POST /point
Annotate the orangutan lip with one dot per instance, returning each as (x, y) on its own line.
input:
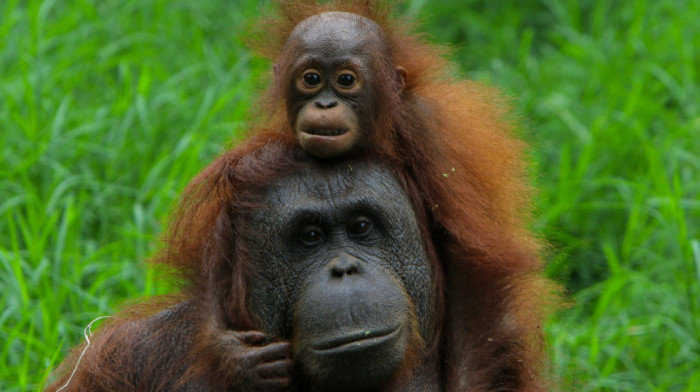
(362, 338)
(326, 132)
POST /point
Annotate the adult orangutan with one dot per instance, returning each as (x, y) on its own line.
(351, 84)
(330, 266)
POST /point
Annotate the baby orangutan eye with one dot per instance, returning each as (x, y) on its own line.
(346, 80)
(312, 78)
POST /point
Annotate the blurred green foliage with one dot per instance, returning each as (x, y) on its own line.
(108, 108)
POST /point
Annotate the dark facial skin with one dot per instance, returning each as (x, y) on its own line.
(342, 274)
(330, 88)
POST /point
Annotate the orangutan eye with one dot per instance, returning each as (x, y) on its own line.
(312, 79)
(346, 80)
(311, 236)
(362, 226)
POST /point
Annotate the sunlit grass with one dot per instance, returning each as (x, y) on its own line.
(108, 108)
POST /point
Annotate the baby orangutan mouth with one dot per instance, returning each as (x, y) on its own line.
(327, 140)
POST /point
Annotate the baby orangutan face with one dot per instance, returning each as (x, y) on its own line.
(331, 105)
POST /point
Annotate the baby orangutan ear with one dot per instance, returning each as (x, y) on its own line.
(401, 77)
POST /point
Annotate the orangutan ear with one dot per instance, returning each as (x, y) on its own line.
(401, 76)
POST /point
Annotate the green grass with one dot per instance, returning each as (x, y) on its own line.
(108, 108)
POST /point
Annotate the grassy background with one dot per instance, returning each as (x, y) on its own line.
(109, 107)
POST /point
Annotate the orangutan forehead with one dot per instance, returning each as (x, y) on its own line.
(337, 31)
